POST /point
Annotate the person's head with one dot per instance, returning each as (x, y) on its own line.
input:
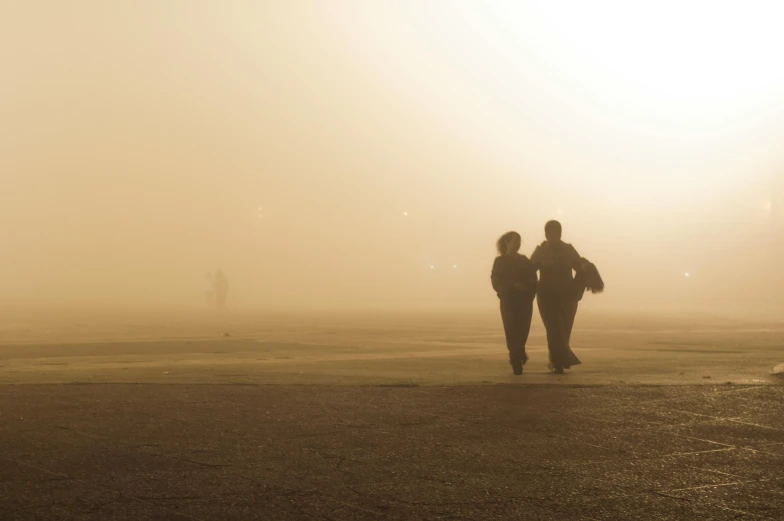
(552, 231)
(509, 242)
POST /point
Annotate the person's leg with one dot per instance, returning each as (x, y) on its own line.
(568, 312)
(511, 331)
(552, 316)
(524, 316)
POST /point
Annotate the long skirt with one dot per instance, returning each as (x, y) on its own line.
(516, 313)
(558, 313)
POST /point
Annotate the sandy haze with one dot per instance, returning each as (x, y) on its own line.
(367, 154)
(371, 348)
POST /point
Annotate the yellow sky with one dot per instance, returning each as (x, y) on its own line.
(139, 139)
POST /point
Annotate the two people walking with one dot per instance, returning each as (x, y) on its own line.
(556, 291)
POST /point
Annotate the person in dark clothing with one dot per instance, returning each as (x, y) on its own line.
(558, 294)
(514, 280)
(221, 288)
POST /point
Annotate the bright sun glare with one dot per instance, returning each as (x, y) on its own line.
(690, 58)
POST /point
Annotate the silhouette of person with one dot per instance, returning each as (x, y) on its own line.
(558, 294)
(514, 280)
(209, 289)
(221, 289)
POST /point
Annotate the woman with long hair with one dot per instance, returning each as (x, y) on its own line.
(514, 281)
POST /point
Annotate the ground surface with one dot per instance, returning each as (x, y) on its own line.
(372, 348)
(393, 418)
(354, 452)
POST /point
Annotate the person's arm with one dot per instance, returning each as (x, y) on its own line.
(575, 261)
(500, 278)
(531, 279)
(535, 257)
(536, 261)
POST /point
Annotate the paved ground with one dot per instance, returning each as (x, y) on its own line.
(236, 452)
(158, 416)
(446, 349)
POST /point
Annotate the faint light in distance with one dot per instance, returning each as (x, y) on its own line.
(687, 274)
(405, 214)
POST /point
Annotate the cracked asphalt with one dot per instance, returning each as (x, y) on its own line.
(293, 452)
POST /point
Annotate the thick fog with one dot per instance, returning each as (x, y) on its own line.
(369, 153)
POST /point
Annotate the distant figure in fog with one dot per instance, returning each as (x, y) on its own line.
(209, 290)
(514, 280)
(559, 292)
(221, 289)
